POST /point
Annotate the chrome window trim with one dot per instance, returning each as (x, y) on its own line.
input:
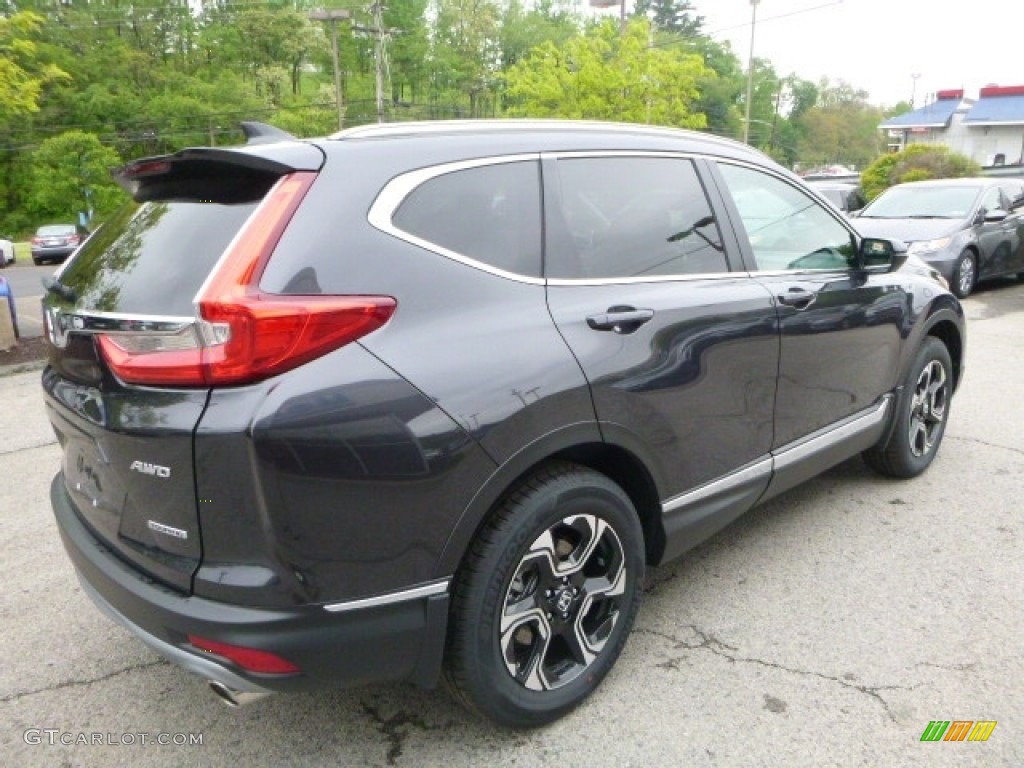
(796, 452)
(388, 200)
(390, 598)
(760, 468)
(573, 154)
(567, 281)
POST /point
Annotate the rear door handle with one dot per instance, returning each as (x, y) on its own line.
(620, 319)
(797, 297)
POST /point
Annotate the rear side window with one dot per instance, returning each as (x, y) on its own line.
(490, 214)
(151, 259)
(622, 217)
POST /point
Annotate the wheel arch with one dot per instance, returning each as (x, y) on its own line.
(581, 444)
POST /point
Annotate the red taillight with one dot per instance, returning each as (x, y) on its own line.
(37, 240)
(74, 239)
(249, 659)
(243, 334)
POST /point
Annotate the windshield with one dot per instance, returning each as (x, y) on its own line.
(953, 202)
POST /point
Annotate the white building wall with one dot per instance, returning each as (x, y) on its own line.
(980, 143)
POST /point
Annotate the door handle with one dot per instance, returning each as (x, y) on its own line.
(620, 319)
(797, 297)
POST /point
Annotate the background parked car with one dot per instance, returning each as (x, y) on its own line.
(6, 252)
(55, 242)
(846, 196)
(968, 229)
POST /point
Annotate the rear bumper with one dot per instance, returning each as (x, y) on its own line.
(56, 252)
(394, 637)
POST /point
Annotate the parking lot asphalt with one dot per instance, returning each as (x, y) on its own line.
(826, 628)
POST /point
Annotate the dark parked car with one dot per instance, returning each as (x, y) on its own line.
(845, 196)
(55, 242)
(430, 397)
(968, 229)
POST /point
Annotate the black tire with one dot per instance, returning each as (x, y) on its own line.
(37, 262)
(965, 274)
(562, 555)
(921, 419)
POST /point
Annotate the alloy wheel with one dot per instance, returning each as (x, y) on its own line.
(563, 601)
(928, 408)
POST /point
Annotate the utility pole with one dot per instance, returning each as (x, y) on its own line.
(378, 56)
(334, 16)
(750, 70)
(378, 32)
(913, 88)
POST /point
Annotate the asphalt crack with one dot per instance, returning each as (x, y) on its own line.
(28, 448)
(986, 443)
(707, 642)
(396, 729)
(80, 683)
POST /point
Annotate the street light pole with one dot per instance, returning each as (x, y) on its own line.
(913, 88)
(333, 16)
(750, 70)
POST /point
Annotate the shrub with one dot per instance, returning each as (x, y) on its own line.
(917, 162)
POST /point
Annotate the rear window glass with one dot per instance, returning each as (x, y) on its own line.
(56, 229)
(152, 258)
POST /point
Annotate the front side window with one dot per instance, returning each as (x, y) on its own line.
(787, 229)
(490, 214)
(628, 217)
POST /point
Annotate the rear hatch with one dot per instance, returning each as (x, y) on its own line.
(134, 355)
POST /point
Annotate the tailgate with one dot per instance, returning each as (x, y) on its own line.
(129, 293)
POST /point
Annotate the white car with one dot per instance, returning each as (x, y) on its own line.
(6, 253)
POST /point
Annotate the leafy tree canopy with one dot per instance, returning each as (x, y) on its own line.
(917, 162)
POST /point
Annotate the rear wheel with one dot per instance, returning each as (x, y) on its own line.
(921, 420)
(546, 597)
(965, 274)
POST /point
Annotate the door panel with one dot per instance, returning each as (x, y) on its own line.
(841, 329)
(839, 353)
(678, 351)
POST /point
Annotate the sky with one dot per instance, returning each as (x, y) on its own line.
(879, 45)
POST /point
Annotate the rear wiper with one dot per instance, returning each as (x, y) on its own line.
(927, 216)
(56, 287)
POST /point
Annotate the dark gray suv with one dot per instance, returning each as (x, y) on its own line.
(425, 399)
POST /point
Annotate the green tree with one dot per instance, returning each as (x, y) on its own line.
(22, 74)
(605, 75)
(71, 173)
(841, 127)
(676, 16)
(916, 163)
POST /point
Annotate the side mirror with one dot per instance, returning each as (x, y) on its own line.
(879, 256)
(996, 214)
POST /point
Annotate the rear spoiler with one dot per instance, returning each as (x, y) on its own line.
(215, 175)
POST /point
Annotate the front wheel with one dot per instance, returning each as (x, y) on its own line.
(546, 597)
(922, 416)
(965, 274)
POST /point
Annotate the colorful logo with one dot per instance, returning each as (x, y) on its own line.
(958, 730)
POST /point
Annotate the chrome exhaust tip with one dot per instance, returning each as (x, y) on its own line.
(233, 698)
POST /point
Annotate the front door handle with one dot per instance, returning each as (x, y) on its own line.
(620, 319)
(797, 297)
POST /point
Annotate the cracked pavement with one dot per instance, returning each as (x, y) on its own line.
(826, 628)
